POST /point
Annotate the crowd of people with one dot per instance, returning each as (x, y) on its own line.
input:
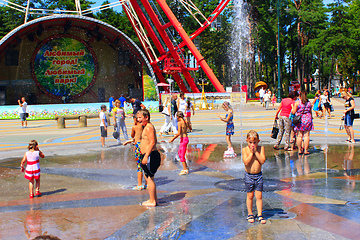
(297, 132)
(267, 98)
(177, 113)
(171, 106)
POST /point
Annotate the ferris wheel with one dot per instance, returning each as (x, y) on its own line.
(150, 27)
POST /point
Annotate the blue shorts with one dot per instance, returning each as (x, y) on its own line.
(348, 121)
(253, 182)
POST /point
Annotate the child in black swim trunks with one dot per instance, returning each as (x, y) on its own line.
(151, 157)
(254, 157)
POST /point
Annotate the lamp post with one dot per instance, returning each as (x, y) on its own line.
(278, 52)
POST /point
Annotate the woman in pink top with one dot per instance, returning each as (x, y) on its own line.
(284, 120)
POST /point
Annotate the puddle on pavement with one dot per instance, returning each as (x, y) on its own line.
(341, 160)
(332, 162)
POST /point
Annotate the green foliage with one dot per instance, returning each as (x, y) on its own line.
(119, 20)
(312, 35)
(310, 96)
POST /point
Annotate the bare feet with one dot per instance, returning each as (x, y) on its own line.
(149, 203)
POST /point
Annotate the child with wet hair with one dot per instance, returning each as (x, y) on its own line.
(253, 157)
(136, 132)
(32, 170)
(184, 141)
(151, 159)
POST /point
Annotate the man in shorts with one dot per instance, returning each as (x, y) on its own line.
(150, 155)
(23, 113)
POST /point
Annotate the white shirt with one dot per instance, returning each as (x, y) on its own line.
(23, 108)
(166, 110)
(182, 105)
(323, 98)
(261, 92)
(102, 116)
(267, 97)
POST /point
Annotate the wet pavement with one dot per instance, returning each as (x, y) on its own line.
(87, 190)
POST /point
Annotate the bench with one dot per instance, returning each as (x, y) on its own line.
(82, 119)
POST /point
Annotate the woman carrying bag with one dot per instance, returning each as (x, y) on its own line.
(305, 125)
(349, 113)
(284, 120)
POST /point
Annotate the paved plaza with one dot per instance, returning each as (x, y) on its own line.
(87, 190)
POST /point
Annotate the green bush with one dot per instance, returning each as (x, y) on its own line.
(310, 96)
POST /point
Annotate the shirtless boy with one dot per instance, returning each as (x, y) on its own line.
(253, 158)
(136, 132)
(151, 157)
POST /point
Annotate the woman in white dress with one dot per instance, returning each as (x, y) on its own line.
(166, 111)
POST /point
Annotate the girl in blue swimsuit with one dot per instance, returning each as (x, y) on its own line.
(229, 124)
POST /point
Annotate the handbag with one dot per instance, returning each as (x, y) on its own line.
(275, 130)
(116, 135)
(27, 115)
(296, 119)
(341, 127)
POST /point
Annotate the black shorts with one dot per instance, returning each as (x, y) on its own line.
(253, 182)
(23, 116)
(103, 132)
(327, 105)
(153, 163)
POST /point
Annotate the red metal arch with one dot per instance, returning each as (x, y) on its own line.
(173, 53)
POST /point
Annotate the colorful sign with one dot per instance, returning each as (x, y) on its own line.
(64, 66)
(50, 111)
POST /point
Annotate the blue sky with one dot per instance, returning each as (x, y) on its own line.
(328, 1)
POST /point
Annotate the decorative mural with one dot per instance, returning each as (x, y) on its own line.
(64, 66)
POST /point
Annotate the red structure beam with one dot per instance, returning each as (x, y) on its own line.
(151, 33)
(172, 50)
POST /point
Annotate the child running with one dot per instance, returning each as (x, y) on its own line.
(150, 155)
(229, 126)
(136, 132)
(32, 170)
(253, 157)
(184, 140)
